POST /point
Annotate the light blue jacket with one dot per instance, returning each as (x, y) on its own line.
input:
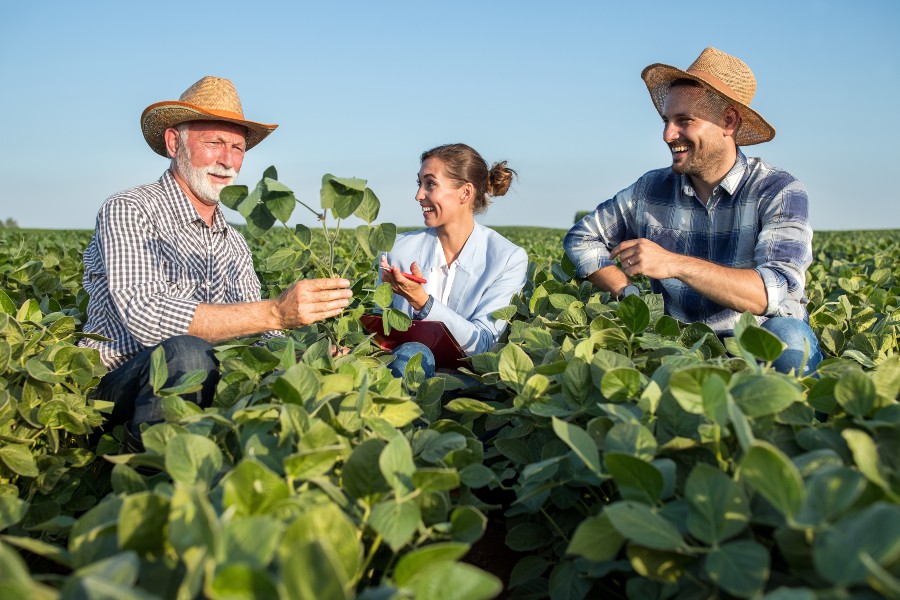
(490, 271)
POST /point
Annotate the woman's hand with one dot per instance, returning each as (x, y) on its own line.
(412, 291)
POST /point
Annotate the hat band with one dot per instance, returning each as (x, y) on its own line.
(716, 82)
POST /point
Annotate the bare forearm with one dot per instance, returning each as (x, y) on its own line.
(737, 289)
(218, 322)
(303, 303)
(610, 279)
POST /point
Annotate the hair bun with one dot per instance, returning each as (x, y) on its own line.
(499, 179)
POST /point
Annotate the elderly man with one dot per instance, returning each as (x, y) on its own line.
(165, 269)
(717, 233)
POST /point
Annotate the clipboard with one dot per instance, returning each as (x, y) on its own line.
(434, 334)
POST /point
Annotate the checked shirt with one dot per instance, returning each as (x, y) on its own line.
(151, 261)
(757, 218)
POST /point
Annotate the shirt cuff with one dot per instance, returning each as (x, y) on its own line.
(425, 309)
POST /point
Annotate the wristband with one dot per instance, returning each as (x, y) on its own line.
(629, 290)
(425, 309)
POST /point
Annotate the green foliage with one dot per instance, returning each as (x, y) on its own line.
(644, 457)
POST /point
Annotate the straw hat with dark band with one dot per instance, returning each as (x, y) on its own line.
(723, 74)
(210, 99)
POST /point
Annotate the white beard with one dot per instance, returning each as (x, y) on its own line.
(196, 177)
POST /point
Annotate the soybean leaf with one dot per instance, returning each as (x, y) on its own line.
(596, 539)
(643, 526)
(636, 479)
(368, 208)
(718, 509)
(740, 568)
(762, 344)
(454, 581)
(774, 476)
(421, 558)
(396, 522)
(581, 443)
(634, 314)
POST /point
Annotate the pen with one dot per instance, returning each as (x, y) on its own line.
(409, 276)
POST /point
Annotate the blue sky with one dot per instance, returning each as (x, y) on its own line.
(362, 88)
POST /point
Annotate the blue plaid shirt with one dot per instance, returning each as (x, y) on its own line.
(757, 218)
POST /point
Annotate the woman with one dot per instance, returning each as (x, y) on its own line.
(470, 270)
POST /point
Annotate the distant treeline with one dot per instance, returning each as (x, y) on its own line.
(9, 223)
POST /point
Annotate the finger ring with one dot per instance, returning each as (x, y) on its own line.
(629, 262)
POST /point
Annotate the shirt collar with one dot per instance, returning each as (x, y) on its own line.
(183, 210)
(729, 183)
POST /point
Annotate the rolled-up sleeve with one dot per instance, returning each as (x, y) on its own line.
(784, 250)
(590, 241)
(138, 285)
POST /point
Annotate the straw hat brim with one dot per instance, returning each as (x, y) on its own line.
(753, 130)
(158, 117)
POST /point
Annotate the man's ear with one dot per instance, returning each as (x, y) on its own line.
(731, 121)
(171, 137)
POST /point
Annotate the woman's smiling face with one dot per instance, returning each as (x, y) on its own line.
(441, 202)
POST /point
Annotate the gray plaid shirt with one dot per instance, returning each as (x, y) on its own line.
(151, 261)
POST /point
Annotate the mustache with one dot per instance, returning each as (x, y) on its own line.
(222, 172)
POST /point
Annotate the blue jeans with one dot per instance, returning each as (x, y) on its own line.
(128, 387)
(404, 352)
(794, 332)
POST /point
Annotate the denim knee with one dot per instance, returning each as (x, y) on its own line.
(404, 352)
(795, 333)
(186, 353)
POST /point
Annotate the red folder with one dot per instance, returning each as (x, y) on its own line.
(434, 334)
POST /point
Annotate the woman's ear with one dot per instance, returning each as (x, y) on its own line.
(467, 193)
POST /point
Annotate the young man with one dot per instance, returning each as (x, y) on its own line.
(717, 233)
(165, 269)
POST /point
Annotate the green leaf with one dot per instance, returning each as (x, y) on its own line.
(632, 438)
(621, 384)
(759, 395)
(636, 479)
(192, 520)
(342, 196)
(718, 509)
(875, 531)
(856, 394)
(467, 524)
(312, 571)
(643, 526)
(741, 568)
(19, 460)
(232, 195)
(251, 488)
(252, 540)
(581, 443)
(576, 381)
(435, 479)
(422, 558)
(381, 237)
(767, 470)
(394, 318)
(159, 371)
(142, 523)
(397, 466)
(515, 366)
(237, 580)
(686, 385)
(396, 522)
(297, 385)
(328, 525)
(303, 235)
(12, 510)
(193, 459)
(634, 314)
(596, 539)
(383, 295)
(454, 581)
(762, 344)
(368, 208)
(830, 492)
(361, 476)
(865, 455)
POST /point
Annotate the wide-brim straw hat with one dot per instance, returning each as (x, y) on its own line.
(724, 75)
(210, 99)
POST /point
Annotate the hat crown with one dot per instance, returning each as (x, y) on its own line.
(214, 93)
(730, 70)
